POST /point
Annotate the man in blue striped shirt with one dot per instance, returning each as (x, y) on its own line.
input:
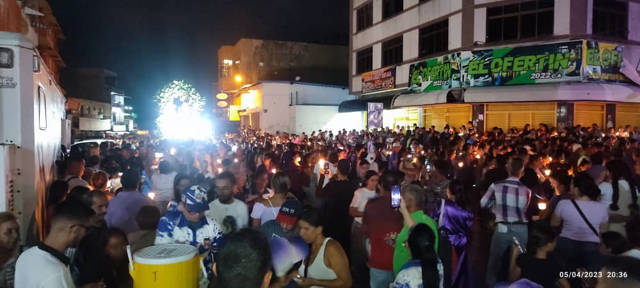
(508, 199)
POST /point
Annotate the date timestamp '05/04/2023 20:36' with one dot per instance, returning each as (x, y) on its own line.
(596, 274)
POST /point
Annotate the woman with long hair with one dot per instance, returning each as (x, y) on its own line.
(268, 207)
(425, 268)
(327, 264)
(624, 201)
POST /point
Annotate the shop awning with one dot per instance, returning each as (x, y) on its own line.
(428, 98)
(359, 105)
(613, 92)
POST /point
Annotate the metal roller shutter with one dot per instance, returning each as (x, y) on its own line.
(627, 114)
(509, 115)
(455, 115)
(588, 113)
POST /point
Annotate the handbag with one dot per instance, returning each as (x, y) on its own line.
(585, 218)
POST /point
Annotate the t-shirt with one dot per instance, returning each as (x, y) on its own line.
(606, 190)
(237, 211)
(264, 213)
(37, 268)
(381, 224)
(401, 253)
(122, 210)
(545, 272)
(162, 185)
(574, 227)
(360, 199)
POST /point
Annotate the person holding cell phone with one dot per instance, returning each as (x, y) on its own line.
(410, 203)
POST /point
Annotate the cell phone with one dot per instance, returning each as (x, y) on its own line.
(395, 196)
(326, 167)
(515, 241)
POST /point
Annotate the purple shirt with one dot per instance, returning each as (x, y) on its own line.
(122, 210)
(574, 227)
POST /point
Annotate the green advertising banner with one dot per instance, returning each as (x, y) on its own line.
(602, 61)
(439, 73)
(558, 62)
(581, 60)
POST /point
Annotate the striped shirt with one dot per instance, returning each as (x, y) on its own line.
(508, 199)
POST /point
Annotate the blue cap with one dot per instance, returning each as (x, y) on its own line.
(195, 199)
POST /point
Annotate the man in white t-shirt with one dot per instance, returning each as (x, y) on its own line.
(46, 265)
(232, 214)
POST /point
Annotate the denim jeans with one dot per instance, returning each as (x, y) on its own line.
(500, 244)
(380, 278)
(579, 254)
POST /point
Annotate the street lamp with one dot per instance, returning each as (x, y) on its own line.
(238, 78)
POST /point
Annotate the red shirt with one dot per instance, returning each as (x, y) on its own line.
(381, 224)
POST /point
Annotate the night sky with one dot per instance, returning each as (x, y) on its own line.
(150, 43)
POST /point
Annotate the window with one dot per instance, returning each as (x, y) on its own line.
(520, 21)
(224, 68)
(391, 8)
(434, 38)
(42, 109)
(610, 18)
(392, 51)
(365, 16)
(364, 60)
(6, 58)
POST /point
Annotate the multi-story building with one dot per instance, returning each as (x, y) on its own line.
(496, 63)
(253, 60)
(95, 104)
(283, 86)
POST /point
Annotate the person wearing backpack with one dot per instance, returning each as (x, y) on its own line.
(582, 218)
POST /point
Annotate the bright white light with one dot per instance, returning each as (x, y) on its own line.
(151, 195)
(183, 123)
(172, 151)
(159, 155)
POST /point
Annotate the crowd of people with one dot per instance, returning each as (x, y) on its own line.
(531, 207)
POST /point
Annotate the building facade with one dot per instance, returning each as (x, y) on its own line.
(282, 106)
(96, 106)
(252, 60)
(497, 63)
(283, 86)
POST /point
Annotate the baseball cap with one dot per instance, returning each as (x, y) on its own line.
(289, 212)
(195, 199)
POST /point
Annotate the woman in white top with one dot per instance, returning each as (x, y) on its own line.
(624, 198)
(356, 210)
(327, 264)
(267, 208)
(162, 184)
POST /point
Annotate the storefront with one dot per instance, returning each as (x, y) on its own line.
(557, 84)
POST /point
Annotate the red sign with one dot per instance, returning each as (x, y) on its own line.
(378, 80)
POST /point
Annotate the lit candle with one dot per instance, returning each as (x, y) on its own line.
(460, 164)
(542, 205)
(478, 156)
(273, 171)
(547, 172)
(151, 195)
